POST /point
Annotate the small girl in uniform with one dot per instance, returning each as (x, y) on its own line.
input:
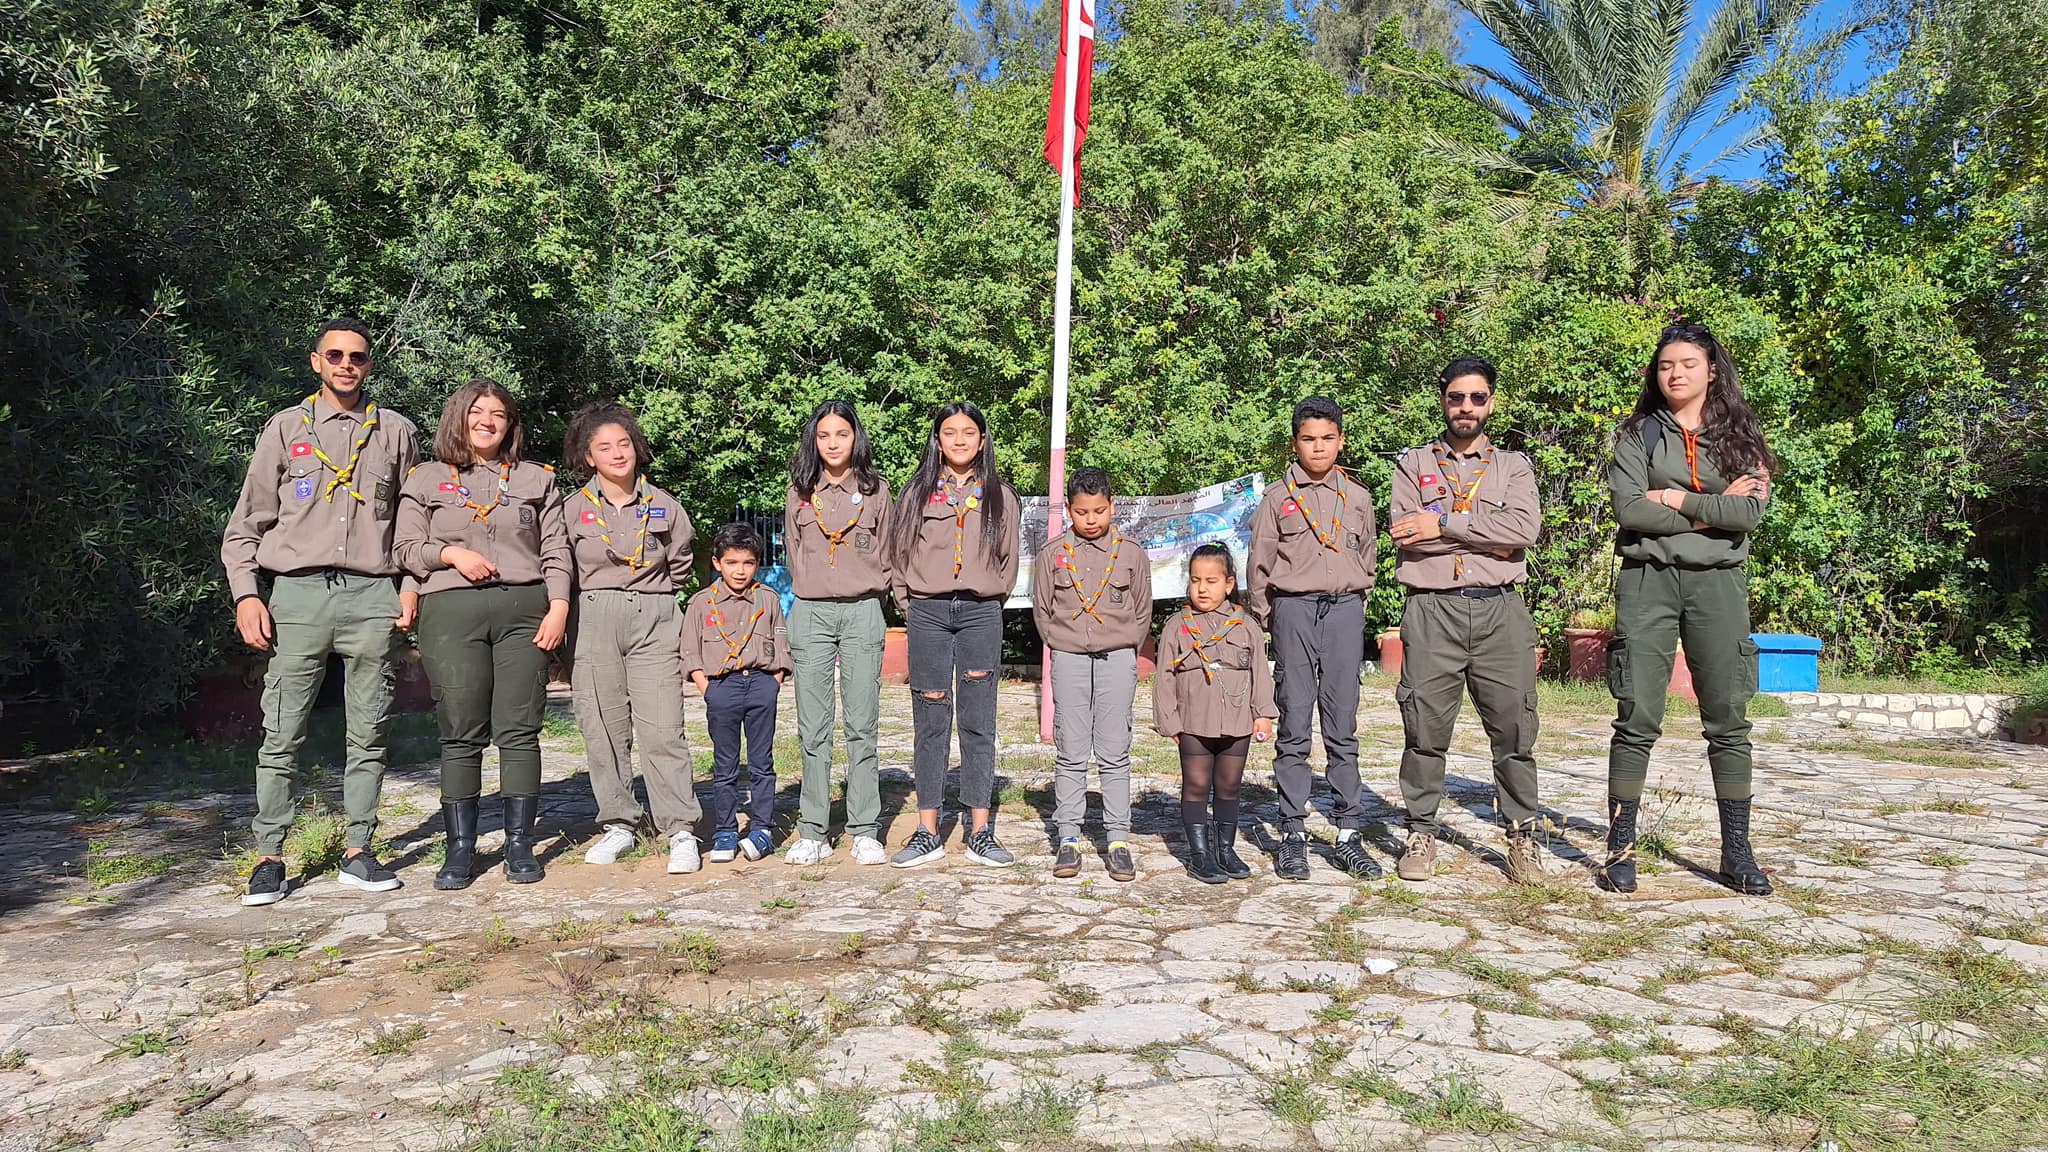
(1213, 693)
(953, 551)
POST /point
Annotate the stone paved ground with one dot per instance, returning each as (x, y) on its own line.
(1888, 998)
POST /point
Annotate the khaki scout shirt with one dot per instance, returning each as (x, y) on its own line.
(1502, 517)
(726, 633)
(291, 515)
(927, 568)
(653, 528)
(1335, 554)
(523, 534)
(836, 540)
(1218, 689)
(1092, 595)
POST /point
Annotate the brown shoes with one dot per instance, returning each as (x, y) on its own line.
(1525, 856)
(1418, 857)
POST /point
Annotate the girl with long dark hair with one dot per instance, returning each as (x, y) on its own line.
(835, 535)
(1689, 478)
(953, 556)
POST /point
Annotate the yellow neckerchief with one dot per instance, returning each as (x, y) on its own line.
(344, 475)
(1334, 541)
(835, 539)
(1088, 602)
(972, 502)
(716, 619)
(481, 511)
(1187, 623)
(644, 497)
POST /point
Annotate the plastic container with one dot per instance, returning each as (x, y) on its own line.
(1786, 662)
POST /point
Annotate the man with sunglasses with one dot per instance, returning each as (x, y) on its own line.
(1463, 514)
(315, 515)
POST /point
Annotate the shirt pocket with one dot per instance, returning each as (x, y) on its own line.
(1118, 591)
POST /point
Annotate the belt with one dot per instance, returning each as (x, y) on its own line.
(1317, 597)
(1486, 593)
(330, 574)
(952, 596)
(744, 672)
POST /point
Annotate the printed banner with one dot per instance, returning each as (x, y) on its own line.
(1169, 527)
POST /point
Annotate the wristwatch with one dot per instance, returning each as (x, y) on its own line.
(1443, 521)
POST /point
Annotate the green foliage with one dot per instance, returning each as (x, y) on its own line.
(580, 202)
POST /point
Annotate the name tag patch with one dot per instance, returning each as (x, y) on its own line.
(658, 513)
(303, 488)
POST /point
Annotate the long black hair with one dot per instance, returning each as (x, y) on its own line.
(1215, 551)
(995, 509)
(807, 468)
(1735, 441)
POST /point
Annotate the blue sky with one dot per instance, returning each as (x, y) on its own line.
(1480, 48)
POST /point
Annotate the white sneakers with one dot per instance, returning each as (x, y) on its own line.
(805, 853)
(682, 854)
(617, 839)
(866, 851)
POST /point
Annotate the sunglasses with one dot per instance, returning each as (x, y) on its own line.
(1458, 399)
(335, 356)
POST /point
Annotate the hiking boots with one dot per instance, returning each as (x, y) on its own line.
(1619, 873)
(1738, 865)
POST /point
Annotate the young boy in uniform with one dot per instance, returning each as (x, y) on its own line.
(1091, 595)
(736, 651)
(1312, 561)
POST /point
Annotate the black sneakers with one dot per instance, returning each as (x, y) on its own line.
(363, 871)
(1291, 861)
(266, 884)
(1351, 856)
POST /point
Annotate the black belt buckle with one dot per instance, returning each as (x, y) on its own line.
(1484, 593)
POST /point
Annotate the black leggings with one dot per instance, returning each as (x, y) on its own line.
(1211, 763)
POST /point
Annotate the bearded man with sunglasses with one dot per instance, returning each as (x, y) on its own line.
(315, 517)
(1463, 514)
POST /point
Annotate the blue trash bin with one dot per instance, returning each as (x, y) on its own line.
(1786, 662)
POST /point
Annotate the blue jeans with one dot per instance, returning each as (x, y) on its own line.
(742, 704)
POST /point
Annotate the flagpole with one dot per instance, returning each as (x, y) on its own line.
(1062, 331)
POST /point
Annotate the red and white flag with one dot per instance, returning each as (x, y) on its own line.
(1077, 51)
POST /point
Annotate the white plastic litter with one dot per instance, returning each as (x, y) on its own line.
(1380, 965)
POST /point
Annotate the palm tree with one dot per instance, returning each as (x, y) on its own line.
(1611, 83)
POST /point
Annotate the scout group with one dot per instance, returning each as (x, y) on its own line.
(344, 539)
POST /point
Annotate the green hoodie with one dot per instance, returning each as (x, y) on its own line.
(1649, 530)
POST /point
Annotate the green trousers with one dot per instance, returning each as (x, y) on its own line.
(842, 637)
(313, 616)
(1451, 644)
(1655, 607)
(490, 683)
(628, 689)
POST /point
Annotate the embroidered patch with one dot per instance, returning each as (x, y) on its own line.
(715, 618)
(590, 516)
(856, 499)
(938, 498)
(1429, 479)
(526, 517)
(864, 541)
(658, 513)
(303, 488)
(1289, 508)
(302, 449)
(1436, 508)
(450, 486)
(462, 488)
(1116, 595)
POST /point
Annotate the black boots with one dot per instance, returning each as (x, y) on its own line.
(520, 813)
(1619, 875)
(458, 868)
(1738, 865)
(1228, 862)
(1201, 861)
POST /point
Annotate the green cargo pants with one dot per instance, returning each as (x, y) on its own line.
(490, 683)
(1449, 644)
(628, 688)
(313, 616)
(1655, 607)
(842, 636)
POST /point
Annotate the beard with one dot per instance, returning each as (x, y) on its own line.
(1466, 427)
